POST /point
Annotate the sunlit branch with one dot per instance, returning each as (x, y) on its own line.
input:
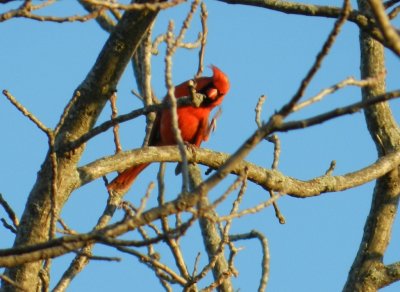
(347, 82)
(26, 13)
(136, 6)
(390, 34)
(355, 107)
(121, 119)
(297, 8)
(318, 61)
(265, 254)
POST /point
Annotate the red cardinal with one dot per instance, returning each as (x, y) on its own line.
(193, 122)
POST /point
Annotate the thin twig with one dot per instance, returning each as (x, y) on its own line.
(239, 180)
(54, 172)
(171, 242)
(350, 81)
(196, 264)
(217, 282)
(265, 254)
(204, 16)
(338, 112)
(10, 212)
(186, 24)
(390, 3)
(24, 12)
(98, 258)
(390, 34)
(274, 139)
(25, 112)
(147, 91)
(8, 226)
(66, 112)
(393, 14)
(153, 264)
(172, 100)
(121, 119)
(65, 227)
(277, 150)
(331, 168)
(253, 210)
(114, 114)
(81, 260)
(288, 108)
(258, 110)
(144, 199)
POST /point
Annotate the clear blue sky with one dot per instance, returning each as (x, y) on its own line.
(262, 52)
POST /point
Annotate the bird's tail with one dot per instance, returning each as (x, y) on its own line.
(126, 178)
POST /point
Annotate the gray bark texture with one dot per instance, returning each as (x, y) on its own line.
(94, 92)
(367, 272)
(211, 236)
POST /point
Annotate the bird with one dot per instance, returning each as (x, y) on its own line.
(192, 121)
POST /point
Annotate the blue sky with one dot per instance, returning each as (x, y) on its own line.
(262, 52)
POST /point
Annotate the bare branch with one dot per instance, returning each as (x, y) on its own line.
(83, 257)
(136, 6)
(389, 32)
(153, 263)
(390, 274)
(172, 243)
(350, 81)
(204, 15)
(297, 8)
(103, 19)
(144, 199)
(337, 112)
(268, 179)
(63, 245)
(10, 212)
(173, 106)
(25, 13)
(258, 110)
(114, 114)
(66, 229)
(277, 150)
(331, 168)
(393, 14)
(248, 211)
(8, 226)
(390, 3)
(26, 112)
(99, 258)
(265, 254)
(320, 57)
(239, 181)
(121, 119)
(213, 243)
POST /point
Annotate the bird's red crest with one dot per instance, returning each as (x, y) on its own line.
(220, 80)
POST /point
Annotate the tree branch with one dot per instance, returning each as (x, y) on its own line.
(95, 90)
(363, 22)
(386, 135)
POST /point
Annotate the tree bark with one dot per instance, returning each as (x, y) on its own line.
(364, 274)
(211, 237)
(93, 93)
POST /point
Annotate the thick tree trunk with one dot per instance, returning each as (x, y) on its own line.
(365, 273)
(94, 92)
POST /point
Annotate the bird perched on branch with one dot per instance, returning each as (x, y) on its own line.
(192, 121)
